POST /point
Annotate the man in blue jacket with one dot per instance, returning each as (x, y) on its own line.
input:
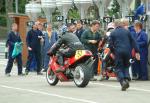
(34, 39)
(13, 37)
(125, 22)
(50, 38)
(121, 43)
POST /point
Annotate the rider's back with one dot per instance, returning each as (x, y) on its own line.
(72, 41)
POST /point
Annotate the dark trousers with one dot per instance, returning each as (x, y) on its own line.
(11, 61)
(135, 69)
(46, 60)
(122, 65)
(95, 65)
(143, 71)
(140, 69)
(37, 54)
(64, 53)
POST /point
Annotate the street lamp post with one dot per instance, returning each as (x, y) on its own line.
(84, 4)
(65, 5)
(59, 5)
(32, 10)
(16, 2)
(101, 6)
(124, 7)
(48, 6)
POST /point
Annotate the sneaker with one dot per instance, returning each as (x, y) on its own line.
(26, 72)
(100, 78)
(8, 74)
(125, 86)
(44, 70)
(93, 79)
(39, 73)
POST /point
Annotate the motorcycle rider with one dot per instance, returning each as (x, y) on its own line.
(104, 42)
(71, 27)
(71, 43)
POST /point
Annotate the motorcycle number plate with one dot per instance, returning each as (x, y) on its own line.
(79, 54)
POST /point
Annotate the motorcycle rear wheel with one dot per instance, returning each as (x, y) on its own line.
(81, 75)
(51, 77)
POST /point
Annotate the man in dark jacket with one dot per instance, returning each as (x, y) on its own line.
(13, 37)
(90, 38)
(34, 39)
(71, 42)
(121, 43)
(80, 29)
(125, 22)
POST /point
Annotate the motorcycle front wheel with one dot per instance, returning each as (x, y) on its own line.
(51, 77)
(81, 75)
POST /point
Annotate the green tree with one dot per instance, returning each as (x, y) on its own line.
(114, 9)
(2, 7)
(137, 3)
(73, 12)
(55, 13)
(21, 6)
(93, 12)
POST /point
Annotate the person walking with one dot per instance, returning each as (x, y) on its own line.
(121, 43)
(12, 40)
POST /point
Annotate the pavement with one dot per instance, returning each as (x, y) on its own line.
(35, 89)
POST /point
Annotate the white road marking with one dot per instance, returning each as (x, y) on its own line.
(49, 94)
(102, 84)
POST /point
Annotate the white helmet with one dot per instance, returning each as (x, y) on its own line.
(111, 26)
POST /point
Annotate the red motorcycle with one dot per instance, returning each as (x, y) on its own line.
(107, 58)
(77, 69)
